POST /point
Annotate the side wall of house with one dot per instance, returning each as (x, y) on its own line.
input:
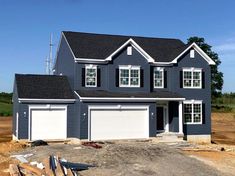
(15, 109)
(65, 62)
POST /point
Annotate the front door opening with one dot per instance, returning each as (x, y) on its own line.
(160, 119)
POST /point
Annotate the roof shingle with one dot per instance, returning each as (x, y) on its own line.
(100, 46)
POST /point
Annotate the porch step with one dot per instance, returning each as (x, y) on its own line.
(169, 137)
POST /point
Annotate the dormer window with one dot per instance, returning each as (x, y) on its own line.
(129, 50)
(91, 76)
(129, 76)
(192, 53)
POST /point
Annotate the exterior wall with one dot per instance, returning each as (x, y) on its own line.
(173, 115)
(108, 73)
(65, 62)
(84, 116)
(15, 109)
(203, 94)
(72, 121)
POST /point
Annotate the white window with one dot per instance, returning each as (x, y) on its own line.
(129, 76)
(158, 77)
(193, 112)
(192, 53)
(91, 76)
(192, 78)
(129, 50)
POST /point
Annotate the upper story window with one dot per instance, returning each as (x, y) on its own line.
(193, 112)
(91, 76)
(158, 76)
(192, 78)
(129, 76)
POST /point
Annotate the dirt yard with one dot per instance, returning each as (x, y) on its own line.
(139, 158)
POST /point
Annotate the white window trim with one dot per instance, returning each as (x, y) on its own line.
(192, 102)
(161, 70)
(129, 67)
(91, 67)
(192, 70)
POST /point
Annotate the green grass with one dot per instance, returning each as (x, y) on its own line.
(5, 109)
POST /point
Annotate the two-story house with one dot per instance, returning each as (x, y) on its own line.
(109, 87)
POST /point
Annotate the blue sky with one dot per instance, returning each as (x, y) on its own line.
(25, 27)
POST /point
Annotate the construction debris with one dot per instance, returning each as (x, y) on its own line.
(51, 166)
(38, 143)
(92, 144)
(22, 158)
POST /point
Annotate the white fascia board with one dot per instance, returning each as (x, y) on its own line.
(199, 50)
(87, 60)
(30, 100)
(136, 46)
(128, 99)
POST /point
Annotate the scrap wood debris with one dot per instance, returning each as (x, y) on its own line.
(51, 166)
(92, 144)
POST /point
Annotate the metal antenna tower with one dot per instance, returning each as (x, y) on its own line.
(50, 57)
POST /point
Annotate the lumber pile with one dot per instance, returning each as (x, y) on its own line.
(51, 166)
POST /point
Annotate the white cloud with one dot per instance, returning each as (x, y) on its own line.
(227, 47)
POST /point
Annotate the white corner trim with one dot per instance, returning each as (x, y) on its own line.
(136, 46)
(28, 100)
(199, 50)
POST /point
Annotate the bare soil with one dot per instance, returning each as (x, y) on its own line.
(138, 158)
(223, 128)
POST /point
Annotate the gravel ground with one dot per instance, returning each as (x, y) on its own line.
(127, 158)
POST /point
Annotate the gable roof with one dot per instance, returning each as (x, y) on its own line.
(101, 46)
(43, 87)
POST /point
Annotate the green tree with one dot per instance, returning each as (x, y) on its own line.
(216, 76)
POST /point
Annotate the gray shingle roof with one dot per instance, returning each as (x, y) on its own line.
(102, 93)
(100, 46)
(43, 87)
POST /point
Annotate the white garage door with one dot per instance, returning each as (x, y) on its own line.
(48, 124)
(119, 124)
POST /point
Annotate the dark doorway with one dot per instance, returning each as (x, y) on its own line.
(160, 118)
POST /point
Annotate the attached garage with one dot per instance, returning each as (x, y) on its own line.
(118, 122)
(48, 122)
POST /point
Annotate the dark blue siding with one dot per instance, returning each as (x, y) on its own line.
(197, 94)
(15, 108)
(65, 62)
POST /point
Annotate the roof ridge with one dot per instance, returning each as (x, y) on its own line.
(121, 35)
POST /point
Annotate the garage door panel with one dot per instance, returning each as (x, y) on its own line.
(119, 124)
(48, 124)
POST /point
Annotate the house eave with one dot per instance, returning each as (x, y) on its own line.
(32, 100)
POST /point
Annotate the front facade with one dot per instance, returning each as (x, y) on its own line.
(124, 87)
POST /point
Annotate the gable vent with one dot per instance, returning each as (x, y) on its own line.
(192, 53)
(129, 50)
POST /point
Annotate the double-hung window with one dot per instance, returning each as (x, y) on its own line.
(158, 77)
(91, 76)
(193, 112)
(192, 78)
(129, 76)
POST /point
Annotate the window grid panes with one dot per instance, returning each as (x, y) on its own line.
(158, 78)
(193, 113)
(129, 77)
(192, 79)
(91, 77)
